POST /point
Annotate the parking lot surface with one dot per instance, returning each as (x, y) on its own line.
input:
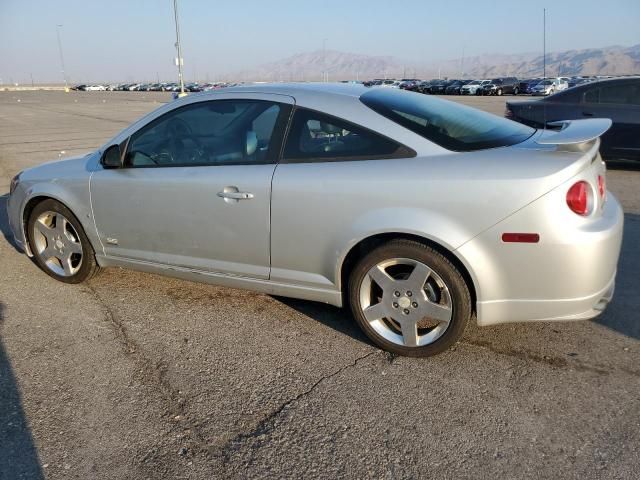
(138, 376)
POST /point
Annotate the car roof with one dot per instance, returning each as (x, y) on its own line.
(299, 89)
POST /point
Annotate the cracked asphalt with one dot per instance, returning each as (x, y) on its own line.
(139, 376)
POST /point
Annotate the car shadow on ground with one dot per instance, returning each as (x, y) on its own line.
(18, 454)
(339, 319)
(4, 221)
(622, 313)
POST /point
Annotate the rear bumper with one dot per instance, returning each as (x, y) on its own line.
(511, 311)
(568, 275)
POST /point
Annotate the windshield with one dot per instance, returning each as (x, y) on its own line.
(451, 125)
(475, 82)
(546, 82)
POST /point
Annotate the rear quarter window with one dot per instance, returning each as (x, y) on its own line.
(450, 125)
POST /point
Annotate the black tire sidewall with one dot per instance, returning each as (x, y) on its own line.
(458, 290)
(88, 267)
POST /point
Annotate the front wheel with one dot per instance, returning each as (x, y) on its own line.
(409, 299)
(59, 245)
(516, 91)
(499, 92)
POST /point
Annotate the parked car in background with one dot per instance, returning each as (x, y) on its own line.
(389, 82)
(409, 84)
(95, 88)
(440, 87)
(414, 86)
(501, 86)
(425, 86)
(474, 87)
(617, 99)
(525, 86)
(454, 88)
(549, 86)
(426, 231)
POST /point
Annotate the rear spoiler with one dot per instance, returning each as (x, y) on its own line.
(574, 131)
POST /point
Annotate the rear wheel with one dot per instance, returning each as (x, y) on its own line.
(516, 91)
(499, 92)
(409, 299)
(59, 245)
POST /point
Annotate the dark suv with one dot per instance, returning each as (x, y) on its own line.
(502, 85)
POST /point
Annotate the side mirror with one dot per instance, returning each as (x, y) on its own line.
(112, 158)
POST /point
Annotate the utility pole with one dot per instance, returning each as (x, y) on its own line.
(179, 49)
(64, 76)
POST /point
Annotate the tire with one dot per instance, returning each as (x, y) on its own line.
(59, 244)
(388, 297)
(499, 92)
(516, 91)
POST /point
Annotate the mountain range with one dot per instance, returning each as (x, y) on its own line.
(309, 66)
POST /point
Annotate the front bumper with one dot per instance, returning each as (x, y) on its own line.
(14, 208)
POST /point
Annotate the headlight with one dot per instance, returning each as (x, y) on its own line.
(14, 183)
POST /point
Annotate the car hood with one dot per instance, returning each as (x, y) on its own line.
(58, 169)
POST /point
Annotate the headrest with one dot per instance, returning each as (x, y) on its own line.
(329, 128)
(251, 143)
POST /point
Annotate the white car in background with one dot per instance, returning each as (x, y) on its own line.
(549, 86)
(95, 88)
(472, 88)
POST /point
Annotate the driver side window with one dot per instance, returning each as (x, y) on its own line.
(218, 132)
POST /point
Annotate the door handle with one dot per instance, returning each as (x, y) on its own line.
(587, 114)
(231, 194)
(236, 195)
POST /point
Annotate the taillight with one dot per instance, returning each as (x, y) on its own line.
(579, 198)
(602, 186)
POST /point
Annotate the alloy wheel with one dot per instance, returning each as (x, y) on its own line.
(406, 302)
(57, 243)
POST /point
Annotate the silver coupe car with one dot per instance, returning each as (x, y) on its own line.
(418, 213)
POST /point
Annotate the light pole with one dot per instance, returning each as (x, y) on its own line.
(178, 48)
(64, 76)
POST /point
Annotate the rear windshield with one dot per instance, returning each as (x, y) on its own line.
(448, 124)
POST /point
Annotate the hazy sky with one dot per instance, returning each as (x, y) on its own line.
(107, 40)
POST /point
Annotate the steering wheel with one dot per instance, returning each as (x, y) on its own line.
(177, 131)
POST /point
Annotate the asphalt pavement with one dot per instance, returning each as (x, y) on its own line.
(139, 376)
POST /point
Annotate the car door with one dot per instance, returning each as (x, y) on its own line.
(326, 165)
(195, 185)
(619, 101)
